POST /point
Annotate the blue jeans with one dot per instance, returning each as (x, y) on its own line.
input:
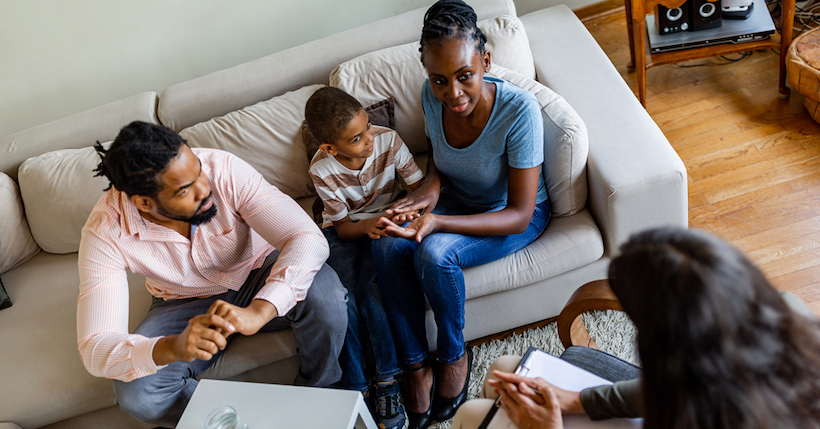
(409, 271)
(368, 332)
(318, 327)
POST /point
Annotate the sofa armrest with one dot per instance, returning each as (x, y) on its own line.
(636, 179)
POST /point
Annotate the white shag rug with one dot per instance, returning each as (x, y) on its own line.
(612, 331)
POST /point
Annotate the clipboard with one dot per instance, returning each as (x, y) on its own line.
(538, 363)
(522, 369)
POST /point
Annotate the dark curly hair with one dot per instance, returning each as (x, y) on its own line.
(720, 348)
(328, 111)
(136, 158)
(451, 18)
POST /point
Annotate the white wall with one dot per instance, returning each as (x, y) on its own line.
(60, 57)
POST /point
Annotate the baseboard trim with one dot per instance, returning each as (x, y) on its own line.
(597, 10)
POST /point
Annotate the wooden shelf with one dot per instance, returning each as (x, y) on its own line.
(636, 12)
(660, 58)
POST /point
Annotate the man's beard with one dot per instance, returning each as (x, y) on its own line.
(196, 219)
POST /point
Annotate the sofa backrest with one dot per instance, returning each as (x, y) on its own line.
(77, 131)
(221, 92)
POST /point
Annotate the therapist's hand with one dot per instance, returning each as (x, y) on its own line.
(569, 401)
(528, 408)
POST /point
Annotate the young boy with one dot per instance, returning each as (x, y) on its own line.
(355, 175)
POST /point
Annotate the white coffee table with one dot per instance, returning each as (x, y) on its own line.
(278, 406)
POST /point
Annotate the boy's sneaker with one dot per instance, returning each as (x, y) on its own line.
(388, 409)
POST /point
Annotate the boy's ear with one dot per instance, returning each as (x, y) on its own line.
(328, 149)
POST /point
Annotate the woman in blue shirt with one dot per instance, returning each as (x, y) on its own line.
(483, 198)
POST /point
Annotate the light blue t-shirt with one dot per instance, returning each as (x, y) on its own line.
(513, 137)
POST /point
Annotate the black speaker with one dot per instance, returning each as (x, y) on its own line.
(671, 21)
(705, 14)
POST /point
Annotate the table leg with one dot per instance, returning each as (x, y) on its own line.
(639, 35)
(787, 20)
(363, 418)
(628, 6)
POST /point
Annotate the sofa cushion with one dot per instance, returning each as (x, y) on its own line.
(568, 243)
(566, 145)
(16, 243)
(397, 72)
(59, 190)
(267, 136)
(47, 381)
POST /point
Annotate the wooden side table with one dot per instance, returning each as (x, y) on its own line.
(593, 296)
(636, 12)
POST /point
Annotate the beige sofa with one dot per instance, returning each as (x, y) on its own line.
(610, 172)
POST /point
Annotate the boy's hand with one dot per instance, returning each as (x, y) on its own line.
(372, 228)
(405, 217)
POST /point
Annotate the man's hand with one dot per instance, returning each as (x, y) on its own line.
(248, 320)
(204, 336)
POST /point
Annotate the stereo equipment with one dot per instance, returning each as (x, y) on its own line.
(670, 21)
(704, 14)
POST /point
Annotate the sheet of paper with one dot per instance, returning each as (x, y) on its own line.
(568, 377)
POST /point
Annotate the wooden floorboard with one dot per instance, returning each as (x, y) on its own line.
(753, 160)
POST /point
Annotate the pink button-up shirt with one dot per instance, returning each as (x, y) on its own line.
(253, 218)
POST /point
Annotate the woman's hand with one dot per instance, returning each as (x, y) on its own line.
(417, 230)
(424, 198)
(529, 408)
(570, 402)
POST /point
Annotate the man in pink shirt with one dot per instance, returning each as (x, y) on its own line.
(223, 252)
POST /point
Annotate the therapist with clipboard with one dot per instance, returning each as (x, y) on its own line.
(720, 348)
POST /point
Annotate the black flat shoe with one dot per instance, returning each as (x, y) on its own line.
(422, 420)
(445, 408)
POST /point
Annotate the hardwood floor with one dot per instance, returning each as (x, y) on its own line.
(753, 160)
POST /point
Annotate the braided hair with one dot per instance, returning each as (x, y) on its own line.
(136, 158)
(451, 18)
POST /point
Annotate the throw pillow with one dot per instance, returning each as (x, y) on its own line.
(566, 145)
(267, 136)
(5, 301)
(59, 190)
(397, 72)
(381, 113)
(16, 243)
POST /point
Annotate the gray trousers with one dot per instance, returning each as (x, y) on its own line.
(319, 324)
